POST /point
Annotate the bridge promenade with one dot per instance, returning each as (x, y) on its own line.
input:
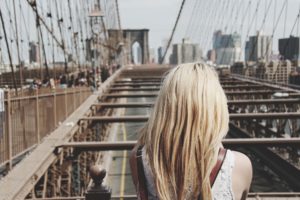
(99, 128)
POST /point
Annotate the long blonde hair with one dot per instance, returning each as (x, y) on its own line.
(184, 132)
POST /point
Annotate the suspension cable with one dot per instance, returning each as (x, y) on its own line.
(173, 31)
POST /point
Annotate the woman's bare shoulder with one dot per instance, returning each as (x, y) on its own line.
(242, 175)
(242, 161)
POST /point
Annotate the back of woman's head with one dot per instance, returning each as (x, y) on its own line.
(184, 132)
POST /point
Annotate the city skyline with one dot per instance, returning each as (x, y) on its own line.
(161, 21)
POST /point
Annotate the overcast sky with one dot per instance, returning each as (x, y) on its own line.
(159, 16)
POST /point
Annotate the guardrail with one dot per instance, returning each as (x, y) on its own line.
(99, 191)
(28, 119)
(293, 86)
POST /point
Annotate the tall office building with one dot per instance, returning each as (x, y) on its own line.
(226, 40)
(34, 53)
(211, 55)
(185, 52)
(160, 54)
(227, 48)
(258, 48)
(88, 49)
(176, 57)
(161, 51)
(228, 56)
(289, 48)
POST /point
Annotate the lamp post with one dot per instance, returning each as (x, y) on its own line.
(95, 21)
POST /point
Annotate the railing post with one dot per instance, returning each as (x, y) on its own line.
(98, 191)
(37, 116)
(9, 131)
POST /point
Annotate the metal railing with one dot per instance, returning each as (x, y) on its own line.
(28, 119)
(99, 191)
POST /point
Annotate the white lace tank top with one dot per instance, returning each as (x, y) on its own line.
(222, 187)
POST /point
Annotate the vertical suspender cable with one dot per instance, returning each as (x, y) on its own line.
(42, 40)
(8, 50)
(173, 31)
(285, 18)
(60, 20)
(18, 46)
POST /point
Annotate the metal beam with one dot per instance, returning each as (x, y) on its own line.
(233, 116)
(128, 145)
(260, 82)
(230, 103)
(228, 93)
(124, 78)
(133, 118)
(134, 89)
(159, 83)
(135, 84)
(130, 95)
(140, 81)
(285, 195)
(124, 105)
(239, 87)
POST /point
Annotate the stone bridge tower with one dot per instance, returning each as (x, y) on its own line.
(130, 36)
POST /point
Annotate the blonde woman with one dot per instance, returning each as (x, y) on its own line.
(179, 153)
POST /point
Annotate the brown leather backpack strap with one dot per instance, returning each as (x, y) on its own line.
(215, 171)
(133, 166)
(138, 174)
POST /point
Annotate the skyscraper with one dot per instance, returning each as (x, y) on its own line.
(160, 54)
(185, 52)
(289, 48)
(258, 48)
(227, 47)
(34, 53)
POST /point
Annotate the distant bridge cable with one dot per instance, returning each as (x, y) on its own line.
(173, 31)
(192, 18)
(261, 27)
(8, 51)
(277, 20)
(63, 45)
(18, 45)
(288, 42)
(252, 20)
(216, 17)
(73, 35)
(239, 8)
(11, 31)
(285, 19)
(242, 26)
(200, 18)
(209, 21)
(40, 35)
(80, 37)
(49, 15)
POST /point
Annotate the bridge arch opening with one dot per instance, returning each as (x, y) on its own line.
(137, 53)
